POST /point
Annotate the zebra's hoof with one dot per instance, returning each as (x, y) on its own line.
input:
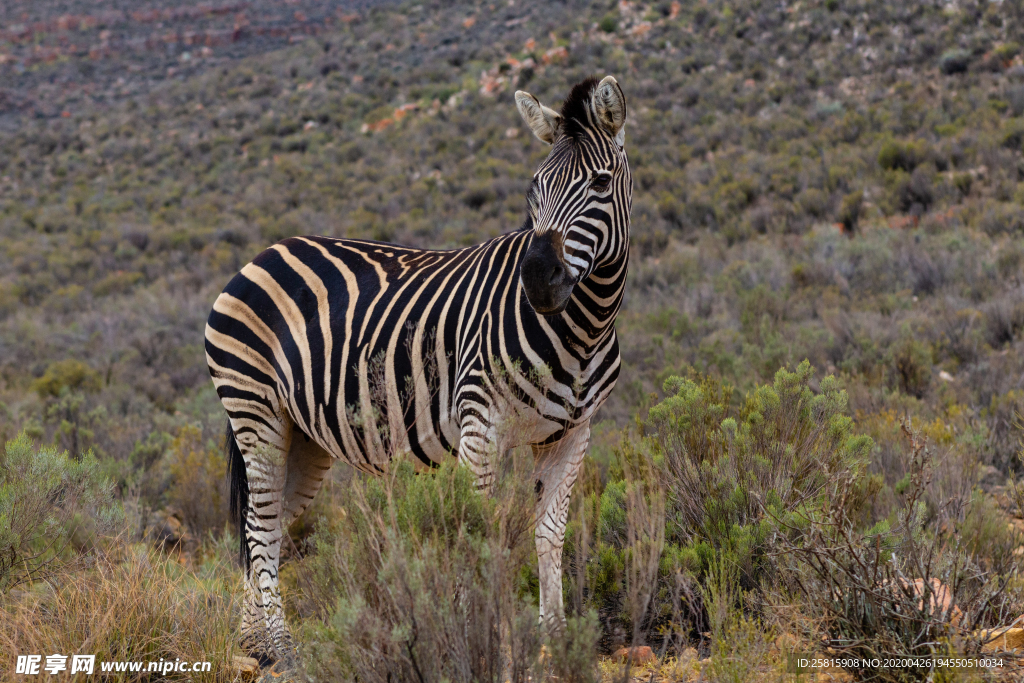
(260, 649)
(287, 670)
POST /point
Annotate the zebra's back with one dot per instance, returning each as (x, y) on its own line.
(363, 344)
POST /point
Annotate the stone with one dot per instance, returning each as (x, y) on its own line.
(1001, 639)
(940, 598)
(638, 655)
(247, 666)
(990, 477)
(170, 532)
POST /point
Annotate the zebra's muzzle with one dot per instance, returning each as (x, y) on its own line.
(546, 281)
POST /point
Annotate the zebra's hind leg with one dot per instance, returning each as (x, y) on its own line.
(557, 466)
(308, 465)
(264, 633)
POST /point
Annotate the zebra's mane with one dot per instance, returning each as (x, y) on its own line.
(576, 110)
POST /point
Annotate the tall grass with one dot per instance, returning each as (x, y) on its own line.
(136, 604)
(705, 524)
(421, 577)
(915, 586)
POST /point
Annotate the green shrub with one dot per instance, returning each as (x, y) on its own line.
(963, 182)
(116, 283)
(739, 644)
(813, 202)
(47, 501)
(954, 61)
(731, 475)
(71, 374)
(197, 479)
(609, 23)
(1013, 135)
(902, 155)
(987, 536)
(850, 210)
(423, 575)
(911, 365)
(1007, 51)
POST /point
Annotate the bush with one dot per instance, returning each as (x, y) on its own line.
(963, 182)
(72, 374)
(425, 578)
(616, 557)
(911, 364)
(48, 501)
(726, 476)
(813, 202)
(1013, 136)
(1004, 321)
(198, 482)
(954, 61)
(740, 645)
(609, 24)
(850, 210)
(904, 156)
(899, 589)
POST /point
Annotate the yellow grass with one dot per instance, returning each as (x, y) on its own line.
(134, 604)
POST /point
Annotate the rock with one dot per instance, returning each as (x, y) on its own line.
(170, 532)
(247, 666)
(999, 639)
(787, 643)
(939, 596)
(989, 477)
(638, 655)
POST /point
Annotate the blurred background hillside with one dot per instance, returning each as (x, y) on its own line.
(838, 181)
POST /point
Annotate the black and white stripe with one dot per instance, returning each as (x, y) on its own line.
(326, 348)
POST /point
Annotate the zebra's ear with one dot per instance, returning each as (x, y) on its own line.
(610, 107)
(542, 121)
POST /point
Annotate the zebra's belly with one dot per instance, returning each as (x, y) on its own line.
(511, 422)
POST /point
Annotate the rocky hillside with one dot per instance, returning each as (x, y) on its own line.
(838, 181)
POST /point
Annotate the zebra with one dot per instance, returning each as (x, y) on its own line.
(318, 337)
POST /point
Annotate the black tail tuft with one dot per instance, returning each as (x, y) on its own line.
(239, 494)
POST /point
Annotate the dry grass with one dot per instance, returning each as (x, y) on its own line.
(133, 604)
(420, 579)
(912, 591)
(683, 669)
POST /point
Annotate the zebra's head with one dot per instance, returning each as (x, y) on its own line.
(580, 197)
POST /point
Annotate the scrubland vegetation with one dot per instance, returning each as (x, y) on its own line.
(841, 182)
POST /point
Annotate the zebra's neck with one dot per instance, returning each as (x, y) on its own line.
(589, 318)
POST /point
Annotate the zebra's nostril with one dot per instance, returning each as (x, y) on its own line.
(557, 274)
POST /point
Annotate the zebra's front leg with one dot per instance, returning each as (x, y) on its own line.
(478, 447)
(557, 466)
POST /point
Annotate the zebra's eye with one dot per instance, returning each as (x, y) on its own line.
(601, 182)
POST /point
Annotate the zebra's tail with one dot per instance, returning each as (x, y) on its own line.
(239, 494)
